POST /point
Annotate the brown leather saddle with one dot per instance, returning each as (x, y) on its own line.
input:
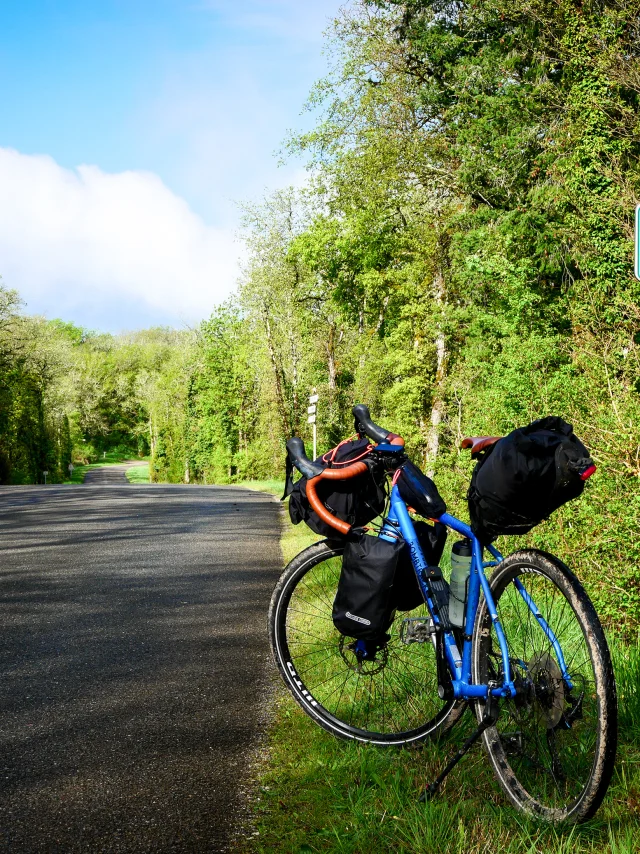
(479, 443)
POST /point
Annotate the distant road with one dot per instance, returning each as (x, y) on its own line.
(110, 474)
(133, 664)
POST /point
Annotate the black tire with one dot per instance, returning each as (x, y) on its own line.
(392, 701)
(552, 749)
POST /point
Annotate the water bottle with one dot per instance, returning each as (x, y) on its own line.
(461, 555)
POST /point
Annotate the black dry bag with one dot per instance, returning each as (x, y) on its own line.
(363, 607)
(525, 476)
(356, 501)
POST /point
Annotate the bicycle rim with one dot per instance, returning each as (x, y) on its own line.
(390, 701)
(553, 746)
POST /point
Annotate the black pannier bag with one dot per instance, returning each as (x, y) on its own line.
(406, 593)
(378, 578)
(525, 476)
(357, 501)
(363, 607)
(419, 492)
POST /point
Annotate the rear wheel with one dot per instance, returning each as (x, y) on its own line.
(554, 744)
(392, 700)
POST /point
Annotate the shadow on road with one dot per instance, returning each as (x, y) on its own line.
(132, 662)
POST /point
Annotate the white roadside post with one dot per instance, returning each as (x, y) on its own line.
(45, 473)
(636, 245)
(70, 470)
(311, 419)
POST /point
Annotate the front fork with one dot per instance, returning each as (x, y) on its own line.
(460, 665)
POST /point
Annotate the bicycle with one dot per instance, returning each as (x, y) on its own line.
(531, 657)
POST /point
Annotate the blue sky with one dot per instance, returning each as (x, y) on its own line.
(174, 110)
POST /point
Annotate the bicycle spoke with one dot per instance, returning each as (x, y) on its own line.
(551, 753)
(383, 696)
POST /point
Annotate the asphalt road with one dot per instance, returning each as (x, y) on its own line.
(133, 664)
(110, 475)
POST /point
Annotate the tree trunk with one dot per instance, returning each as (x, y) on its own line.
(152, 448)
(295, 359)
(437, 406)
(362, 315)
(331, 358)
(383, 308)
(152, 443)
(277, 375)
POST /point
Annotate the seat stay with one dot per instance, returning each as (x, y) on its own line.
(546, 628)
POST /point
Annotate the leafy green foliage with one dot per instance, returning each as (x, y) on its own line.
(68, 395)
(460, 261)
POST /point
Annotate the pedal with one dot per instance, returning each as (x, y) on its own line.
(417, 630)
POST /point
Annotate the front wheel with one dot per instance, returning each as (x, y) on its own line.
(392, 700)
(554, 744)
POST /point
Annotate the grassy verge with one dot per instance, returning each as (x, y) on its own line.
(318, 794)
(138, 474)
(275, 487)
(321, 795)
(294, 538)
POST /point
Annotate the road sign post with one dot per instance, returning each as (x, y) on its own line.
(636, 245)
(45, 473)
(311, 419)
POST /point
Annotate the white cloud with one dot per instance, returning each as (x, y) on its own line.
(286, 19)
(220, 113)
(82, 244)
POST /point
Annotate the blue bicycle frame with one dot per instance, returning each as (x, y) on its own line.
(460, 663)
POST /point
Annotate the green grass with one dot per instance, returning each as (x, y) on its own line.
(294, 538)
(321, 795)
(318, 794)
(138, 474)
(275, 487)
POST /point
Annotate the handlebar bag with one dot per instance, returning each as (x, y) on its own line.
(524, 477)
(357, 501)
(364, 606)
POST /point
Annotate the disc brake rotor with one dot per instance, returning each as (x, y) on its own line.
(359, 665)
(549, 689)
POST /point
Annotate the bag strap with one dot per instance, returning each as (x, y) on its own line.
(330, 457)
